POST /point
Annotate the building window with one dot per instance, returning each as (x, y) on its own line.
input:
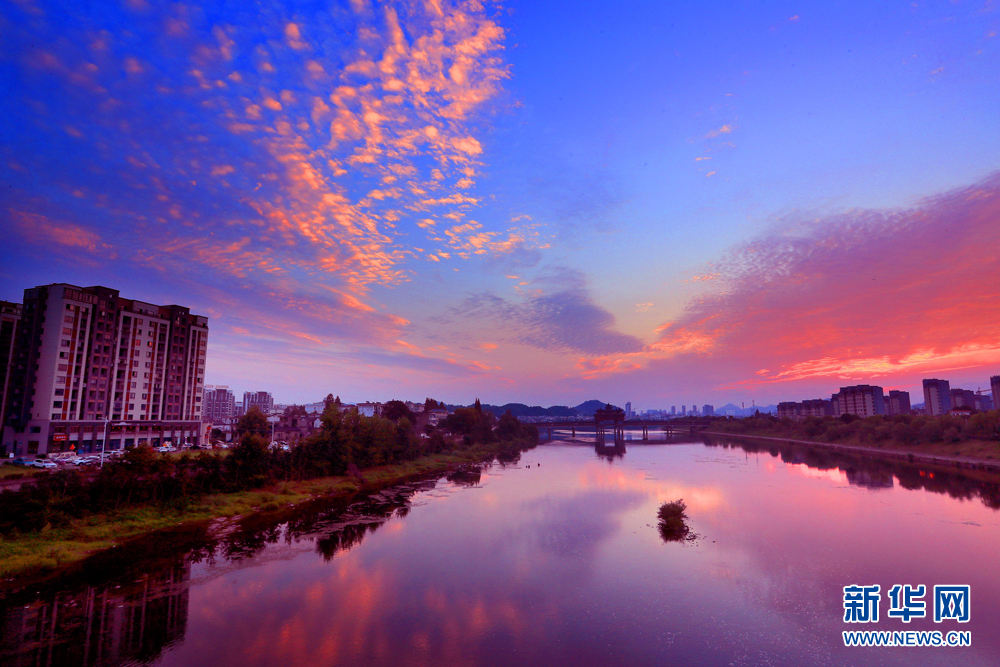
(57, 404)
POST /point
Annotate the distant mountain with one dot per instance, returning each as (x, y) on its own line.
(585, 409)
(588, 408)
(522, 410)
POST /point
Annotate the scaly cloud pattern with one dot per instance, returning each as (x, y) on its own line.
(283, 150)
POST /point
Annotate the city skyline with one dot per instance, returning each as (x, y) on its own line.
(403, 201)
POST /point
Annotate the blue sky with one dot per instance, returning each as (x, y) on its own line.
(543, 202)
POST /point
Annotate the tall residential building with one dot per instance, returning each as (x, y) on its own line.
(10, 319)
(983, 402)
(937, 397)
(261, 399)
(628, 408)
(707, 410)
(673, 409)
(220, 404)
(862, 400)
(963, 398)
(814, 407)
(89, 362)
(683, 410)
(995, 386)
(897, 403)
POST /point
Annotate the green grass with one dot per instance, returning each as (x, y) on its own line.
(36, 553)
(8, 471)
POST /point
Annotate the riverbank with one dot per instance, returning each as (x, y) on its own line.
(971, 454)
(36, 554)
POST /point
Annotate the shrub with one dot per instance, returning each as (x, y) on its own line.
(673, 521)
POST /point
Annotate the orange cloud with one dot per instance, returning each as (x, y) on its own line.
(862, 295)
(725, 129)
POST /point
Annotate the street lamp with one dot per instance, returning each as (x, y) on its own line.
(107, 422)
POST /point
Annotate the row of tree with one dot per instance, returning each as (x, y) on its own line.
(346, 440)
(903, 429)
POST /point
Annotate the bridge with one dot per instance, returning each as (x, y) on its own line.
(600, 426)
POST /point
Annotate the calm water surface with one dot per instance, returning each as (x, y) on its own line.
(552, 560)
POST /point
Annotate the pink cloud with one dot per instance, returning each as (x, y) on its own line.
(861, 295)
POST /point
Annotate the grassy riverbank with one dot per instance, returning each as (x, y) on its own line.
(12, 472)
(52, 548)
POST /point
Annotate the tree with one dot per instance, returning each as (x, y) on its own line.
(478, 407)
(248, 462)
(431, 404)
(509, 426)
(255, 422)
(396, 410)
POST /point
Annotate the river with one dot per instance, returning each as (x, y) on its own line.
(552, 559)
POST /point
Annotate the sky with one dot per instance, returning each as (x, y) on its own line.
(540, 202)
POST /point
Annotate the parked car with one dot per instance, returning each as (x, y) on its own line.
(85, 460)
(20, 462)
(43, 463)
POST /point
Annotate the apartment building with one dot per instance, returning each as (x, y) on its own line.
(897, 403)
(262, 399)
(89, 362)
(814, 407)
(862, 400)
(995, 387)
(220, 404)
(962, 398)
(937, 397)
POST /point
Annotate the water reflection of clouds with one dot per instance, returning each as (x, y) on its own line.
(596, 476)
(833, 474)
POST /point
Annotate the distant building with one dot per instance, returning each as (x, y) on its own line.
(995, 386)
(708, 410)
(963, 398)
(220, 404)
(436, 415)
(295, 424)
(683, 410)
(862, 400)
(369, 409)
(897, 403)
(628, 409)
(815, 407)
(983, 402)
(673, 410)
(789, 410)
(262, 399)
(937, 397)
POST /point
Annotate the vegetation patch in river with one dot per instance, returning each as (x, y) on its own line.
(673, 522)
